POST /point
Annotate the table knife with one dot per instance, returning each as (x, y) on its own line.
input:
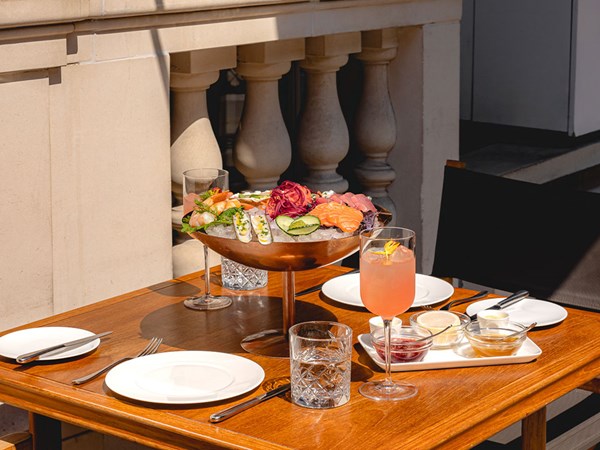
(27, 357)
(229, 412)
(505, 303)
(319, 286)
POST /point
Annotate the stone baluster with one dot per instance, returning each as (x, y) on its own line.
(323, 139)
(262, 150)
(193, 143)
(375, 124)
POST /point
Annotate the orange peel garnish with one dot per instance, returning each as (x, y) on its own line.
(389, 248)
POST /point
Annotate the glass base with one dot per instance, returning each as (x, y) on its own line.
(383, 390)
(273, 343)
(207, 302)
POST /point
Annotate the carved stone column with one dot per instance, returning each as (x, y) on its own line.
(375, 124)
(323, 139)
(262, 150)
(193, 143)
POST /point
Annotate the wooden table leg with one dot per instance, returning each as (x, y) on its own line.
(46, 432)
(533, 430)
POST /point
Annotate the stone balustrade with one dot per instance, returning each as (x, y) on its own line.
(104, 104)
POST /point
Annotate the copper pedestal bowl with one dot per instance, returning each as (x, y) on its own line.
(285, 257)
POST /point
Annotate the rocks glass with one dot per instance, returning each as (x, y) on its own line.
(320, 354)
(239, 277)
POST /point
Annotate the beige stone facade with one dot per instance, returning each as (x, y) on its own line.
(88, 149)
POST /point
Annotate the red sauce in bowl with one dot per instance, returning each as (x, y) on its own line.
(404, 349)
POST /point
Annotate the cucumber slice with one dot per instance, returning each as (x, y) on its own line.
(303, 230)
(305, 221)
(283, 222)
(299, 226)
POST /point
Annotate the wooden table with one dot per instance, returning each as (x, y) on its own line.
(455, 408)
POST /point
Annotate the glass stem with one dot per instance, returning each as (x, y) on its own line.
(387, 336)
(206, 272)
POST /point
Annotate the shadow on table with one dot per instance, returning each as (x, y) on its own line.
(222, 330)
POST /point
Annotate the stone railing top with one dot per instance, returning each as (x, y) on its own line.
(27, 13)
(34, 12)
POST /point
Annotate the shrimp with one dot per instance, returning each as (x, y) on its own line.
(221, 206)
(217, 198)
(250, 204)
(198, 219)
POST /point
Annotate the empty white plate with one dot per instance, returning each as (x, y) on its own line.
(526, 311)
(346, 289)
(185, 377)
(31, 339)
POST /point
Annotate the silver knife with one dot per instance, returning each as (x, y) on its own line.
(505, 303)
(229, 412)
(319, 286)
(27, 357)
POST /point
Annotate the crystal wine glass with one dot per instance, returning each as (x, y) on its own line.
(387, 288)
(198, 181)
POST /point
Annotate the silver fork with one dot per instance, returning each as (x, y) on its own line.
(458, 301)
(151, 348)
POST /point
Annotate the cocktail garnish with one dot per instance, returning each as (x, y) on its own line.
(389, 248)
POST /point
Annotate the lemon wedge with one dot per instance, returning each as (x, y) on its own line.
(436, 321)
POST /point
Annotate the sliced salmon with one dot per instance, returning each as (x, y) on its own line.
(334, 214)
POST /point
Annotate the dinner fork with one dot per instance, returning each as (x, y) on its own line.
(458, 301)
(151, 348)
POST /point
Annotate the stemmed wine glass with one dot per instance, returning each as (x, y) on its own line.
(198, 181)
(387, 288)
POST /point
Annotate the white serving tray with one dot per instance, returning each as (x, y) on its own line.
(461, 356)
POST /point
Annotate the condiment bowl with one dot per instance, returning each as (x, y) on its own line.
(490, 318)
(503, 341)
(376, 323)
(407, 344)
(436, 321)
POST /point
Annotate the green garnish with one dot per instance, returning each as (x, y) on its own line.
(225, 218)
(207, 194)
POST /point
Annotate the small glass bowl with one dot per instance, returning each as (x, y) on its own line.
(436, 321)
(495, 341)
(376, 323)
(490, 318)
(404, 345)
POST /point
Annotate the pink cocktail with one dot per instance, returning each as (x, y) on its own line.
(189, 202)
(387, 285)
(387, 288)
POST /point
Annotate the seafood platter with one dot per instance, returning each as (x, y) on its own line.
(287, 229)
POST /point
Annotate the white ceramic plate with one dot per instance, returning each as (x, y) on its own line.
(461, 356)
(31, 339)
(526, 311)
(185, 377)
(346, 289)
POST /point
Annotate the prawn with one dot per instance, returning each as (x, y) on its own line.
(217, 198)
(221, 206)
(198, 219)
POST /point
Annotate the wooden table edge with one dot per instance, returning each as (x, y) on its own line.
(133, 427)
